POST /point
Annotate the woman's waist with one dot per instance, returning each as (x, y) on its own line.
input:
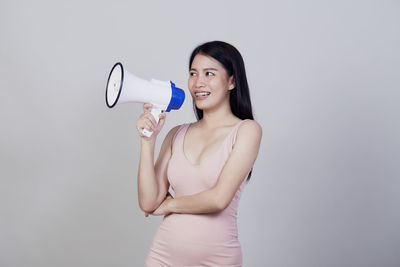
(200, 226)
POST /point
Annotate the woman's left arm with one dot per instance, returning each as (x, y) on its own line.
(217, 198)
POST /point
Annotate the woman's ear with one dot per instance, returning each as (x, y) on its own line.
(232, 83)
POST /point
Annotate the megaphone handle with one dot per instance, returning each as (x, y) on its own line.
(155, 112)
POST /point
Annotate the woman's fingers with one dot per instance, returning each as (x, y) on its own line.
(148, 122)
(162, 116)
(149, 125)
(161, 120)
(151, 118)
(147, 107)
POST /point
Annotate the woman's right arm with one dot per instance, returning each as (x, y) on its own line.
(152, 178)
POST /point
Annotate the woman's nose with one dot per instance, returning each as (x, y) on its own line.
(200, 82)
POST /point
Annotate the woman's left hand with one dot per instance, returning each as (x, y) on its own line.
(163, 209)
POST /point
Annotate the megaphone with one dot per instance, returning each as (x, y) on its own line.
(123, 87)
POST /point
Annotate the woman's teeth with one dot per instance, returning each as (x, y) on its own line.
(202, 94)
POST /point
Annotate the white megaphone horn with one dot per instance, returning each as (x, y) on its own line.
(123, 86)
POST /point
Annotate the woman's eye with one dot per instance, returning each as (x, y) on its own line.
(192, 74)
(209, 73)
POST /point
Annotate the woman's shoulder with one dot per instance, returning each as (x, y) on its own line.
(250, 129)
(174, 129)
(251, 124)
(173, 132)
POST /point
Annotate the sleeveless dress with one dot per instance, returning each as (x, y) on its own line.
(197, 239)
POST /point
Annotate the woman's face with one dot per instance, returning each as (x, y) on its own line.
(209, 83)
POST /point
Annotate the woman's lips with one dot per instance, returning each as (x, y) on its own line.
(202, 94)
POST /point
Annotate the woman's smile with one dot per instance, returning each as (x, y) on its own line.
(200, 95)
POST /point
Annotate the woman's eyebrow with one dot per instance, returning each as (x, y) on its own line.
(206, 69)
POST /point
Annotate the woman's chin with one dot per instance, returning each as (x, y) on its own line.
(201, 106)
(206, 106)
(198, 104)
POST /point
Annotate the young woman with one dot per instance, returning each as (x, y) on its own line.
(205, 162)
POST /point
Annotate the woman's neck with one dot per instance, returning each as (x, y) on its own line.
(219, 117)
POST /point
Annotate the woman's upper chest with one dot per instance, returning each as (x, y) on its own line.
(200, 145)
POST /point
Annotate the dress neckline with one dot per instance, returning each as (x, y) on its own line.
(212, 154)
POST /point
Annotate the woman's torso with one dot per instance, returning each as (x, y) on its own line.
(198, 239)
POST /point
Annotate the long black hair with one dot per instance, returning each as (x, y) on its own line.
(232, 61)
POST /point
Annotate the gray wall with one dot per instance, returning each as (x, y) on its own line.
(324, 78)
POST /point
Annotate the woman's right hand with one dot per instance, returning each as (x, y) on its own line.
(168, 196)
(147, 121)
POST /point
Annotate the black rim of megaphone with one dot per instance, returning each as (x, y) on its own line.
(120, 86)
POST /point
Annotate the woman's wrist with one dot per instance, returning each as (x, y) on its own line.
(171, 206)
(145, 141)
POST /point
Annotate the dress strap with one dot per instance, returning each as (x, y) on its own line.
(235, 130)
(178, 134)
